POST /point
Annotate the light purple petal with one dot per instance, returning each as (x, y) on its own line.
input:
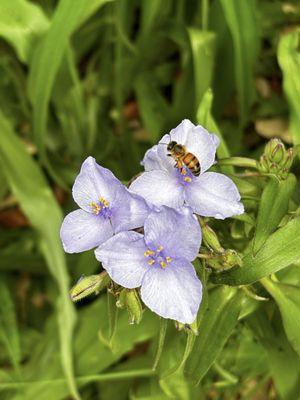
(81, 231)
(180, 133)
(123, 258)
(159, 188)
(129, 212)
(177, 231)
(94, 182)
(154, 160)
(174, 292)
(214, 195)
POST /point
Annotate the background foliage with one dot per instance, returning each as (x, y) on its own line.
(107, 78)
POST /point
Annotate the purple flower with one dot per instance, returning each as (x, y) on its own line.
(159, 262)
(210, 194)
(106, 207)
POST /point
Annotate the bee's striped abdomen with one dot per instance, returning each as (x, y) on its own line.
(192, 163)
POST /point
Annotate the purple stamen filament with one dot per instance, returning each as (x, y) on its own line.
(157, 257)
(100, 207)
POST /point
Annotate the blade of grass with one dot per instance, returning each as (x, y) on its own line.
(9, 334)
(37, 201)
(241, 21)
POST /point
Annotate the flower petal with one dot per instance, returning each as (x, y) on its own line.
(154, 160)
(214, 195)
(174, 292)
(94, 182)
(177, 231)
(123, 258)
(129, 212)
(81, 231)
(180, 133)
(159, 188)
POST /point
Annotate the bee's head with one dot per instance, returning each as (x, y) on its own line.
(171, 145)
(175, 148)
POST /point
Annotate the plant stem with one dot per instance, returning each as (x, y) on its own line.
(239, 162)
(204, 14)
(111, 376)
(161, 341)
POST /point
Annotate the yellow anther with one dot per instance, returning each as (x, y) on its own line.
(148, 253)
(104, 202)
(96, 208)
(151, 262)
(163, 264)
(168, 259)
(183, 171)
(160, 248)
(187, 179)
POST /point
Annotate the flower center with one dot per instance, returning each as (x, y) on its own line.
(101, 207)
(157, 257)
(184, 175)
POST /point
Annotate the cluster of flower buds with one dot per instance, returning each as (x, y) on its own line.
(219, 258)
(276, 159)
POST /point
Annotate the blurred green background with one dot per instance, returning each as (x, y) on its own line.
(107, 78)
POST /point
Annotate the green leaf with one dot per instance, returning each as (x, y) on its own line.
(289, 61)
(219, 319)
(38, 203)
(272, 208)
(240, 17)
(284, 363)
(152, 105)
(280, 250)
(203, 51)
(21, 24)
(287, 298)
(9, 334)
(46, 62)
(204, 117)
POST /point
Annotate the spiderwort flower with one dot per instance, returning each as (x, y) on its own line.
(106, 207)
(159, 262)
(210, 194)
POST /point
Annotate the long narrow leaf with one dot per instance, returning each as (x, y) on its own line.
(37, 201)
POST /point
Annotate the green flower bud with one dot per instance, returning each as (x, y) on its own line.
(275, 150)
(88, 285)
(210, 238)
(231, 258)
(288, 158)
(121, 302)
(276, 159)
(134, 306)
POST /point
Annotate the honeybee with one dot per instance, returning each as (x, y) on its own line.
(183, 158)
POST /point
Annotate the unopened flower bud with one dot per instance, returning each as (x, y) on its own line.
(231, 258)
(210, 238)
(121, 302)
(275, 150)
(134, 306)
(288, 158)
(88, 285)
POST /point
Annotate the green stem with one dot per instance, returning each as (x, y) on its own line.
(112, 376)
(161, 341)
(228, 376)
(204, 14)
(239, 162)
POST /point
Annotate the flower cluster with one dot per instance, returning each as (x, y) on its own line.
(162, 201)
